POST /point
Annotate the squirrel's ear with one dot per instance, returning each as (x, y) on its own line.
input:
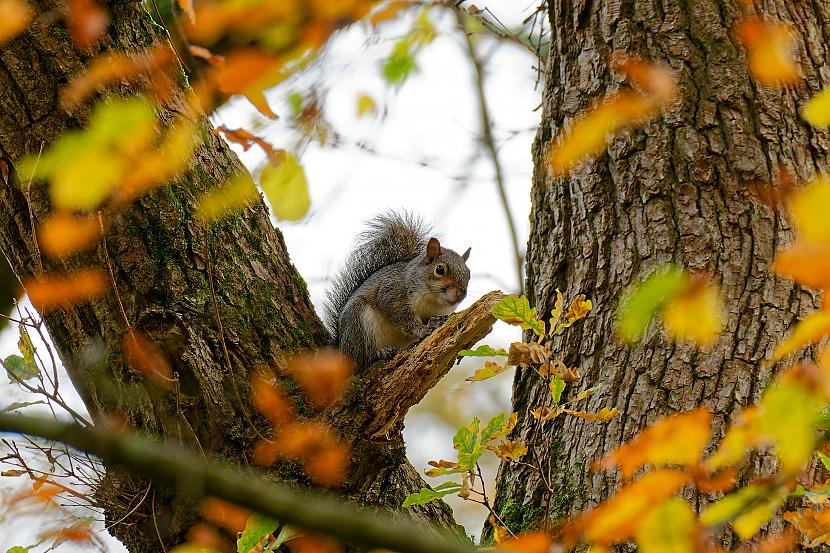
(466, 255)
(433, 249)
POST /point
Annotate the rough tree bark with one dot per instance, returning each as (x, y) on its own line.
(195, 293)
(677, 191)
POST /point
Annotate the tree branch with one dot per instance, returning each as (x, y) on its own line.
(175, 466)
(386, 391)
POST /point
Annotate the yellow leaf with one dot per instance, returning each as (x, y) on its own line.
(556, 312)
(808, 208)
(696, 315)
(579, 309)
(366, 105)
(510, 450)
(669, 528)
(787, 415)
(817, 110)
(87, 181)
(815, 525)
(749, 508)
(738, 438)
(286, 188)
(603, 415)
(813, 327)
(674, 440)
(234, 196)
(490, 370)
(616, 520)
(14, 16)
(770, 48)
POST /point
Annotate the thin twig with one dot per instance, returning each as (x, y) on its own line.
(490, 145)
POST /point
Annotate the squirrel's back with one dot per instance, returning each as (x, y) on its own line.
(388, 238)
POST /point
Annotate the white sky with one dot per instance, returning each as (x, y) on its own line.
(425, 162)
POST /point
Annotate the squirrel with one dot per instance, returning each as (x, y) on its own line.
(395, 280)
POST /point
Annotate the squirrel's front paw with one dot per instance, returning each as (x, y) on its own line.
(435, 322)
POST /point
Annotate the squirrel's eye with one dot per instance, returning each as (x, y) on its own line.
(440, 270)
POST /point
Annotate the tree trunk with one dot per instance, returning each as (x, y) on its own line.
(220, 303)
(675, 190)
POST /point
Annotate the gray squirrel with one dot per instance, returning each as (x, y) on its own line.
(395, 280)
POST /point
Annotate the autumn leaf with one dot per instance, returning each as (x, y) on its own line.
(603, 415)
(696, 315)
(510, 450)
(224, 514)
(63, 233)
(271, 402)
(815, 525)
(674, 440)
(817, 109)
(808, 207)
(617, 519)
(144, 356)
(749, 508)
(247, 140)
(770, 47)
(516, 311)
(535, 542)
(323, 376)
(787, 416)
(669, 528)
(490, 370)
(238, 193)
(527, 354)
(15, 15)
(805, 262)
(87, 22)
(642, 300)
(286, 189)
(556, 312)
(443, 467)
(578, 309)
(63, 292)
(366, 105)
(739, 436)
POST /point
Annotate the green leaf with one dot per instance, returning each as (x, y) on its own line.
(401, 62)
(557, 386)
(20, 405)
(482, 351)
(256, 528)
(787, 414)
(585, 393)
(426, 495)
(490, 370)
(517, 311)
(749, 508)
(286, 188)
(668, 528)
(825, 460)
(17, 368)
(18, 549)
(642, 300)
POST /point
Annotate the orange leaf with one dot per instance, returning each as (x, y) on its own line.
(187, 7)
(770, 48)
(62, 292)
(655, 80)
(147, 358)
(87, 22)
(323, 376)
(14, 16)
(314, 544)
(328, 467)
(224, 514)
(63, 233)
(388, 11)
(246, 140)
(206, 536)
(815, 525)
(616, 519)
(537, 542)
(674, 440)
(271, 402)
(804, 262)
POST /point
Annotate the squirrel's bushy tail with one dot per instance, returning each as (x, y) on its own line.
(388, 238)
